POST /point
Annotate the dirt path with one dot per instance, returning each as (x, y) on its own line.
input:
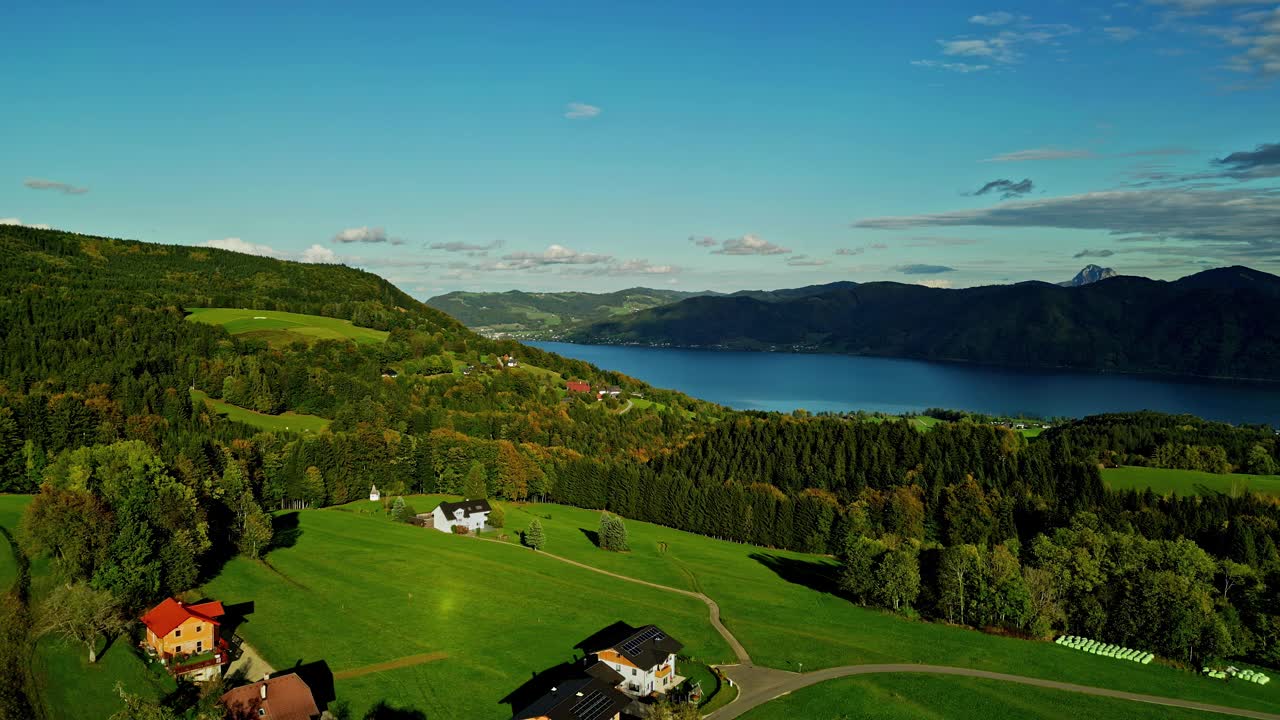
(759, 685)
(396, 664)
(738, 651)
(250, 663)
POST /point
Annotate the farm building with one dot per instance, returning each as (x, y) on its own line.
(374, 494)
(646, 659)
(611, 391)
(284, 697)
(578, 386)
(470, 514)
(185, 638)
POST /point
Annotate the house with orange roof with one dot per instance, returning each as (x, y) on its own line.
(186, 639)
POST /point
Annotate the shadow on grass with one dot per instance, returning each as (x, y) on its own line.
(541, 682)
(235, 616)
(285, 531)
(813, 574)
(318, 677)
(385, 711)
(592, 535)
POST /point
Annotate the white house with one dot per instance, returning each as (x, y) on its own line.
(471, 514)
(374, 494)
(646, 659)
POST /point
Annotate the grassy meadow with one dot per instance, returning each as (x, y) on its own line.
(285, 421)
(909, 697)
(357, 590)
(1163, 481)
(281, 328)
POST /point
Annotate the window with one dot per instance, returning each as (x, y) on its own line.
(177, 649)
(177, 633)
(633, 671)
(199, 628)
(262, 712)
(199, 645)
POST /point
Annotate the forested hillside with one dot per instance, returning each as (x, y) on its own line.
(1217, 323)
(144, 491)
(547, 314)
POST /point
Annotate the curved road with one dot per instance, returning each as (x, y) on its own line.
(758, 685)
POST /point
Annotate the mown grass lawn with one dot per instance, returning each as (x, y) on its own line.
(1163, 481)
(285, 421)
(358, 590)
(779, 605)
(278, 325)
(909, 697)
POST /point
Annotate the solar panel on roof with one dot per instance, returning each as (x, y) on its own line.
(592, 707)
(632, 645)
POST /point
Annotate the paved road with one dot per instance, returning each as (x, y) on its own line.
(250, 664)
(758, 685)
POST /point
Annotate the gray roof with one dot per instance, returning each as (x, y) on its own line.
(582, 698)
(647, 646)
(466, 506)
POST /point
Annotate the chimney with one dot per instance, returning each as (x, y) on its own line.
(263, 690)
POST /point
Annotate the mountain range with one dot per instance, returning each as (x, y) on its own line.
(1216, 323)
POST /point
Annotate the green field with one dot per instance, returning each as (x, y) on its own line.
(283, 327)
(908, 697)
(358, 590)
(285, 421)
(777, 604)
(1189, 482)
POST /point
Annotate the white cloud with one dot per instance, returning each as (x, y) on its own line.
(235, 244)
(319, 254)
(953, 67)
(553, 255)
(1121, 33)
(750, 245)
(642, 267)
(703, 241)
(16, 221)
(999, 17)
(366, 234)
(581, 111)
(1044, 153)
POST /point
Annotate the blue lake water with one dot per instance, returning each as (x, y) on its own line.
(838, 383)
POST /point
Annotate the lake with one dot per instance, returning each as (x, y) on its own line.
(840, 383)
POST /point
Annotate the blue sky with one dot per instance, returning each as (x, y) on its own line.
(598, 146)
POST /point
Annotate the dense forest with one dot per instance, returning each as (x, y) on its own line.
(1217, 323)
(143, 491)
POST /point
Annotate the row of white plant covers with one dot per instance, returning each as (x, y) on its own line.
(1252, 676)
(1105, 650)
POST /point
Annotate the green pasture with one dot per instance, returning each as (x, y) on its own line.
(1163, 481)
(779, 604)
(909, 697)
(277, 326)
(284, 422)
(358, 590)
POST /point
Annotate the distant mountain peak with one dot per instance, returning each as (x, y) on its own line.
(1090, 274)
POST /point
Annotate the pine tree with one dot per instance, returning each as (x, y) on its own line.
(613, 533)
(398, 510)
(476, 486)
(533, 537)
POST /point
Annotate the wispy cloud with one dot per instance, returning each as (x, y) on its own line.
(642, 267)
(923, 269)
(471, 249)
(1263, 161)
(952, 66)
(581, 111)
(991, 19)
(1007, 189)
(16, 221)
(1121, 33)
(365, 234)
(65, 188)
(805, 261)
(553, 255)
(235, 244)
(703, 241)
(750, 245)
(1103, 253)
(1237, 220)
(1041, 153)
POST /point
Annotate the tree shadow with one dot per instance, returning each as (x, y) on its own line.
(605, 637)
(813, 574)
(541, 682)
(385, 711)
(234, 616)
(285, 531)
(592, 535)
(318, 677)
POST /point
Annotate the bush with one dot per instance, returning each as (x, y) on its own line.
(497, 516)
(460, 530)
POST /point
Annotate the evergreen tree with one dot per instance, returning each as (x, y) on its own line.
(534, 537)
(497, 516)
(398, 510)
(476, 486)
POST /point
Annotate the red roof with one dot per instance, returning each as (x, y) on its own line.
(287, 697)
(168, 615)
(577, 386)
